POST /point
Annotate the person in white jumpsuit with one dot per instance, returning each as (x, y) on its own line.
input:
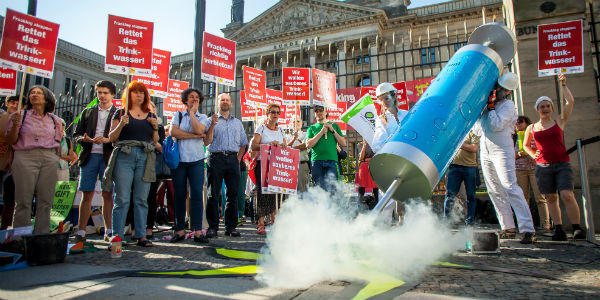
(498, 161)
(390, 118)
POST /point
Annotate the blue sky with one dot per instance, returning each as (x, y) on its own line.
(84, 22)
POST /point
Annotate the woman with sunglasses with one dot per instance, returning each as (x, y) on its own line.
(266, 134)
(525, 166)
(553, 171)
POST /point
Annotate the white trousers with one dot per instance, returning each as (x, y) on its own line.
(498, 165)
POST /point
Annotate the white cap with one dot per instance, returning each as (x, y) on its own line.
(542, 98)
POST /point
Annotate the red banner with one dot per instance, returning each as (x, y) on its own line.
(560, 48)
(255, 85)
(118, 103)
(349, 96)
(324, 88)
(218, 59)
(335, 115)
(416, 88)
(28, 44)
(158, 82)
(291, 111)
(296, 86)
(283, 170)
(249, 112)
(8, 82)
(129, 46)
(172, 102)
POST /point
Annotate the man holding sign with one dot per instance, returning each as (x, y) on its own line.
(322, 138)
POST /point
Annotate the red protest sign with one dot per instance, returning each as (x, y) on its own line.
(118, 103)
(255, 85)
(172, 102)
(265, 151)
(296, 86)
(218, 59)
(275, 96)
(349, 95)
(28, 44)
(416, 88)
(401, 95)
(324, 88)
(8, 82)
(290, 111)
(560, 48)
(335, 115)
(249, 112)
(129, 46)
(157, 83)
(283, 170)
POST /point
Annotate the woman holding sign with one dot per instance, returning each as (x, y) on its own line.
(35, 137)
(266, 134)
(133, 132)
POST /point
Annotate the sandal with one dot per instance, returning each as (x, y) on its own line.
(261, 230)
(144, 243)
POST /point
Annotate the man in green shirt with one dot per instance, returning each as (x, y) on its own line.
(322, 138)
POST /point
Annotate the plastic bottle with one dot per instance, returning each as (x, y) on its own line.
(116, 247)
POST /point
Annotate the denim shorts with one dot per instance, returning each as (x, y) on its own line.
(554, 177)
(91, 172)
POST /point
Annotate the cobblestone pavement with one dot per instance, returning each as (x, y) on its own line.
(575, 267)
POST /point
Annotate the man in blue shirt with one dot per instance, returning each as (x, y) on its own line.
(226, 140)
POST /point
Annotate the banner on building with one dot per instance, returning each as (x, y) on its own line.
(129, 46)
(323, 84)
(296, 86)
(172, 102)
(218, 59)
(28, 44)
(362, 116)
(283, 170)
(415, 89)
(8, 82)
(249, 112)
(255, 85)
(560, 48)
(158, 82)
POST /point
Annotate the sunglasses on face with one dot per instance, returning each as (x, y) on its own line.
(274, 112)
(520, 121)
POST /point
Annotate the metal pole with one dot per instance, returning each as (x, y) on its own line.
(387, 196)
(595, 39)
(585, 194)
(198, 36)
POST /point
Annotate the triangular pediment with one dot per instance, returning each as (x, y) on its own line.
(289, 16)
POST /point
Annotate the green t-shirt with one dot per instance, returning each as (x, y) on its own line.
(324, 149)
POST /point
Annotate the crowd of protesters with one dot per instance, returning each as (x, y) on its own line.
(123, 149)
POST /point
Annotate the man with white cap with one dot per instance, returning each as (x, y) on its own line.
(498, 160)
(390, 116)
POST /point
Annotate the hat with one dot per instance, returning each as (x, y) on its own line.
(319, 106)
(543, 98)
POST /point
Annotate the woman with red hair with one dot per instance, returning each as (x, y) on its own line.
(133, 133)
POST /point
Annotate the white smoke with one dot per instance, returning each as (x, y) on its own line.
(319, 236)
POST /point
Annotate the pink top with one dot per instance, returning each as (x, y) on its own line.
(37, 131)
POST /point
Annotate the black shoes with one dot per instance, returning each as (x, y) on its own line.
(559, 235)
(579, 234)
(211, 233)
(177, 238)
(528, 238)
(200, 239)
(232, 233)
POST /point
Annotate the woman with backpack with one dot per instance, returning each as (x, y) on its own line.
(189, 128)
(35, 137)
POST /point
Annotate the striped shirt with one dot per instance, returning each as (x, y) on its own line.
(229, 135)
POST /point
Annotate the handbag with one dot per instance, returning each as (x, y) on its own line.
(162, 169)
(171, 150)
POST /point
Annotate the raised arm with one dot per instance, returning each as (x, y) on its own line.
(569, 102)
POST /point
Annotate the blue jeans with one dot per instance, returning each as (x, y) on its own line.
(456, 175)
(194, 173)
(323, 171)
(128, 173)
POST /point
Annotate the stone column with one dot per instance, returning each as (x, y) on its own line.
(341, 56)
(373, 50)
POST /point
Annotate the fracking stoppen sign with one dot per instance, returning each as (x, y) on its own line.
(255, 85)
(172, 102)
(324, 89)
(560, 48)
(8, 82)
(158, 81)
(296, 86)
(28, 44)
(249, 112)
(218, 59)
(129, 46)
